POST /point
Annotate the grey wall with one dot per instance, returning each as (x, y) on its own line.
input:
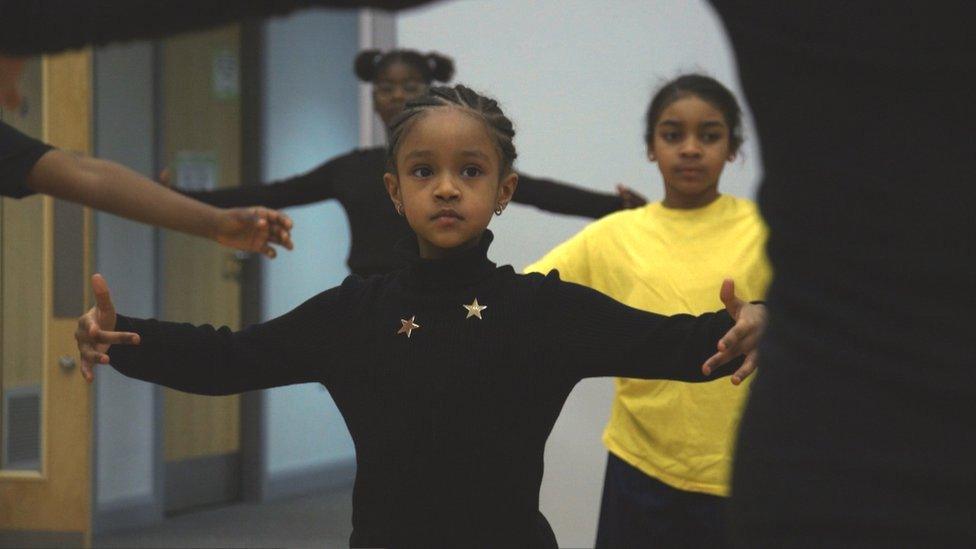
(311, 113)
(125, 255)
(576, 76)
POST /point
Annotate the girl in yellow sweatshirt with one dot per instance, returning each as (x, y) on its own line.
(671, 443)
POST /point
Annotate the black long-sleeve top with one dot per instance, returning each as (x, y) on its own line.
(868, 191)
(356, 181)
(450, 418)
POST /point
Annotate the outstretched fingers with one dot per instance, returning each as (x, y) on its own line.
(732, 303)
(279, 227)
(715, 361)
(94, 341)
(277, 218)
(742, 339)
(738, 340)
(103, 337)
(282, 237)
(87, 349)
(747, 368)
(103, 298)
(89, 358)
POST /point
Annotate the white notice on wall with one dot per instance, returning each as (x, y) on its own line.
(196, 171)
(226, 75)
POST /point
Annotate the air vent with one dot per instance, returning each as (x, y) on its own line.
(22, 428)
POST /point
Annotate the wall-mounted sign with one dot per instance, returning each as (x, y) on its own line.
(226, 78)
(196, 171)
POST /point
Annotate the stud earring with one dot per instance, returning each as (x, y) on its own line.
(499, 210)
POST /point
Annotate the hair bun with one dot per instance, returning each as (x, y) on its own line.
(441, 67)
(365, 64)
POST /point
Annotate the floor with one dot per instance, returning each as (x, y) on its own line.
(321, 521)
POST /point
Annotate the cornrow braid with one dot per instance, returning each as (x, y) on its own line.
(459, 96)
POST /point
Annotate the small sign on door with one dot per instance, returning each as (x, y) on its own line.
(226, 78)
(196, 171)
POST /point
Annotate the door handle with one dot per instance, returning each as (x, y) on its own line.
(234, 264)
(66, 362)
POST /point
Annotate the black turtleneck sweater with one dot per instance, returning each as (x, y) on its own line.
(860, 430)
(449, 418)
(355, 179)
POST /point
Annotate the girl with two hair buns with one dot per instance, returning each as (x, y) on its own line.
(355, 179)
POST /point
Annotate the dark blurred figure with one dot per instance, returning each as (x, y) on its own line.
(860, 427)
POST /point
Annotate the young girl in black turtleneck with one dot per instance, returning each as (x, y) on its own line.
(355, 179)
(450, 373)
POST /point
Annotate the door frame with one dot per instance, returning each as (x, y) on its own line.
(377, 29)
(253, 479)
(52, 506)
(151, 510)
(253, 458)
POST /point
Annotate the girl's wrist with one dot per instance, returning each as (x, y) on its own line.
(215, 219)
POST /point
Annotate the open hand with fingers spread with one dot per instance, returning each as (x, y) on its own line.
(743, 338)
(95, 330)
(254, 229)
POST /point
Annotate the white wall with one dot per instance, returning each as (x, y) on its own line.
(310, 115)
(125, 255)
(576, 77)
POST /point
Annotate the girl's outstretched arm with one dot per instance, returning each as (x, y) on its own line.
(314, 186)
(294, 348)
(566, 199)
(592, 336)
(111, 187)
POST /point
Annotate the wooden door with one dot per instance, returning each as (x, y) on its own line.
(45, 480)
(201, 142)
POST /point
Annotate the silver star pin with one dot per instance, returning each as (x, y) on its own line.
(408, 326)
(474, 309)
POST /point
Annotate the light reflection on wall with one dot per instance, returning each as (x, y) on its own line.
(310, 115)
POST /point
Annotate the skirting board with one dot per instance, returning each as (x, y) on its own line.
(29, 539)
(310, 480)
(127, 514)
(206, 480)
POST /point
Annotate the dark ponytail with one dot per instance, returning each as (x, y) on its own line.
(433, 67)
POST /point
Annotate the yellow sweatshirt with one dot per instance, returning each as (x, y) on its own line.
(672, 261)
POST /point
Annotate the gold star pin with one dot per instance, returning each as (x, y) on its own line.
(474, 309)
(408, 326)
